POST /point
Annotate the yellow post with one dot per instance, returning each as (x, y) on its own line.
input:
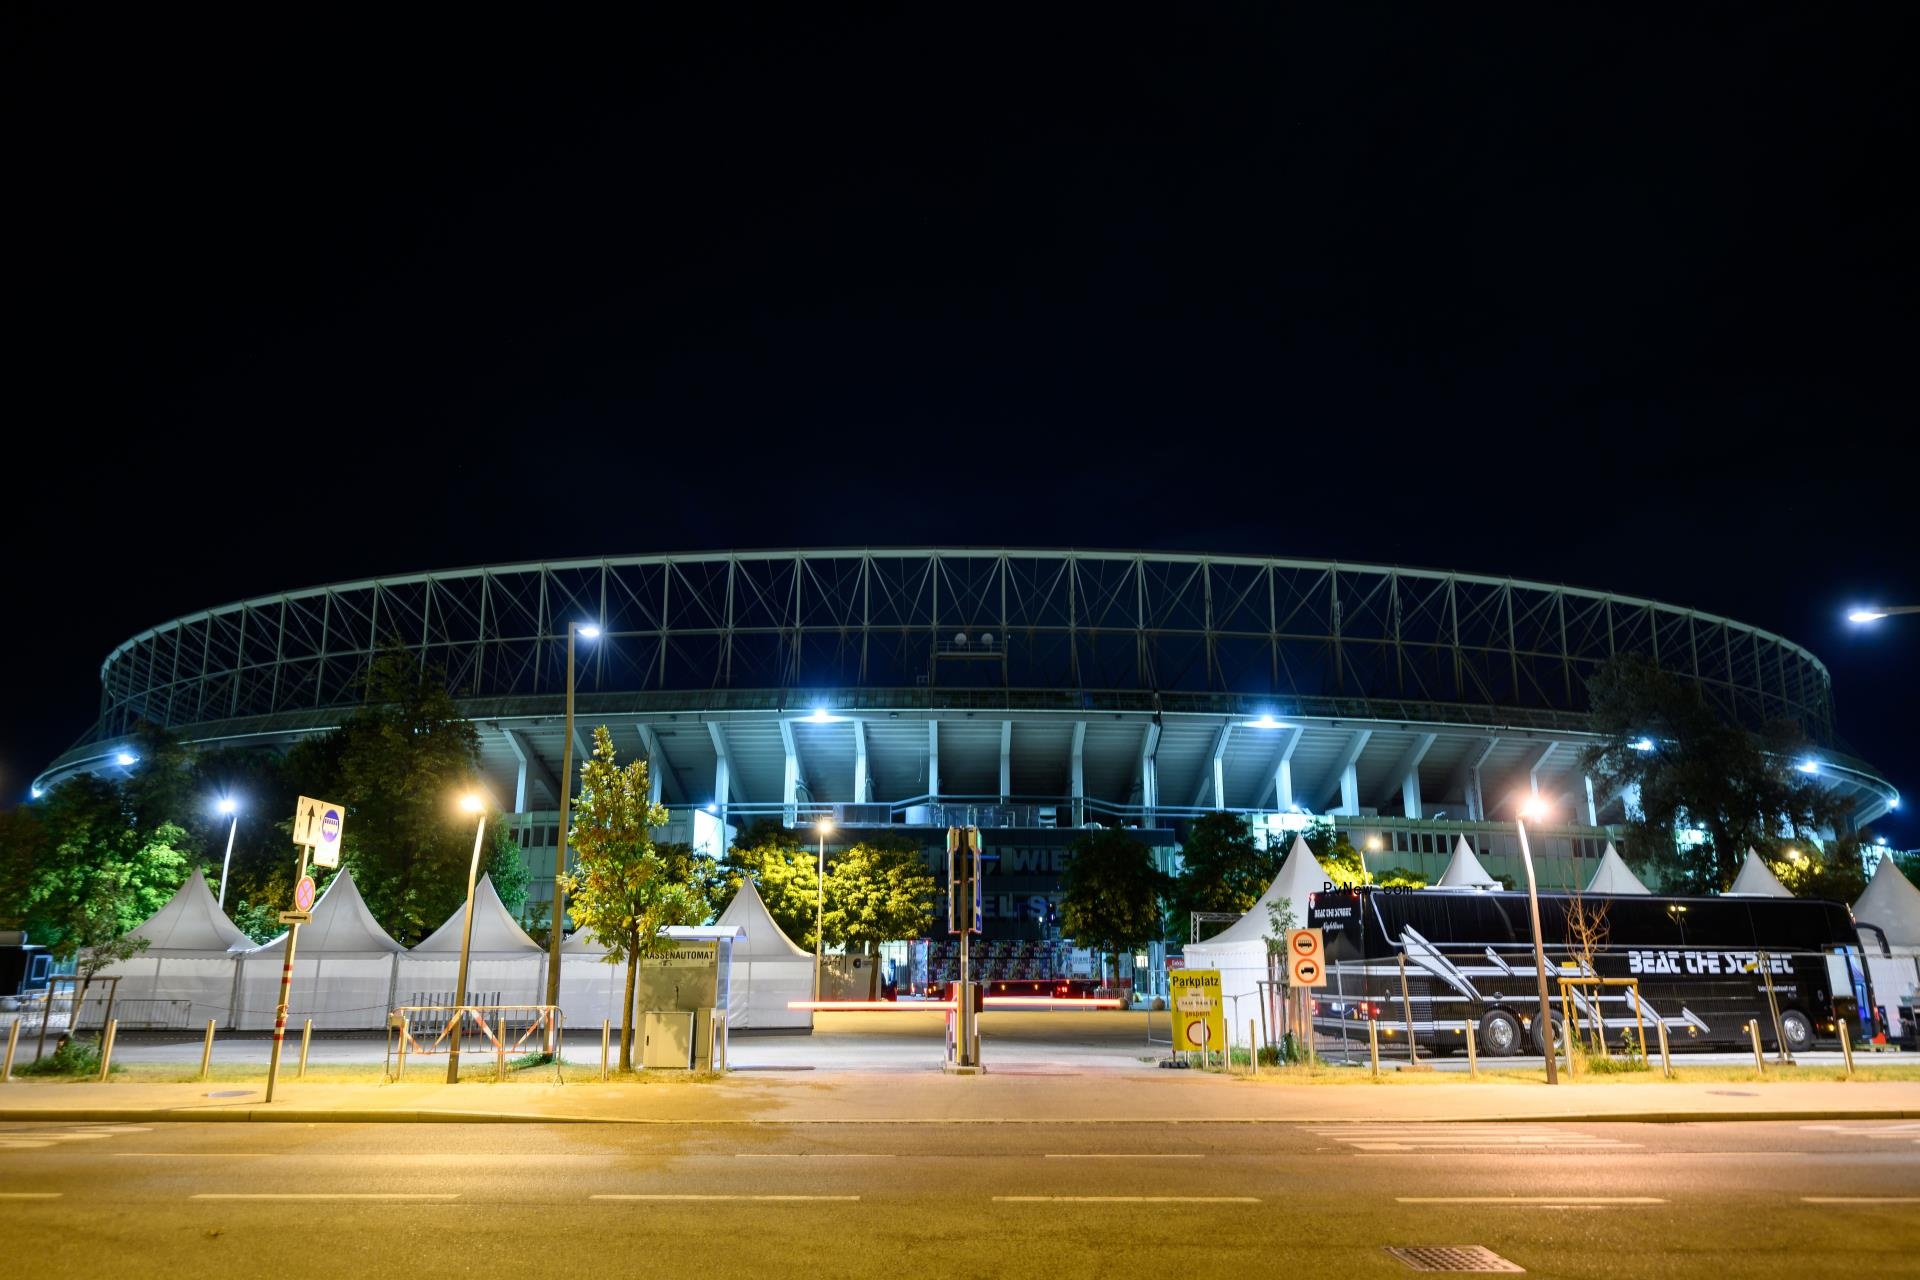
(106, 1047)
(13, 1042)
(1566, 1026)
(1639, 1023)
(206, 1052)
(1846, 1046)
(1759, 1058)
(1666, 1059)
(1253, 1048)
(606, 1044)
(306, 1039)
(1473, 1051)
(1373, 1045)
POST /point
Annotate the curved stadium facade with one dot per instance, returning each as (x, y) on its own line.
(1026, 692)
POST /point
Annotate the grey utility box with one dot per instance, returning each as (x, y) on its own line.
(682, 1000)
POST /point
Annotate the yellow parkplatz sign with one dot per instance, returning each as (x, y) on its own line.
(1199, 1015)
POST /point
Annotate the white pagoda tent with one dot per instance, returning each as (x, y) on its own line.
(1892, 904)
(1756, 881)
(590, 988)
(185, 974)
(1465, 872)
(344, 971)
(768, 968)
(1612, 877)
(504, 966)
(1240, 951)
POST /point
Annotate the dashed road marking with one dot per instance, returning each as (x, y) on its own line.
(1126, 1200)
(1544, 1202)
(1393, 1138)
(1860, 1199)
(323, 1195)
(704, 1198)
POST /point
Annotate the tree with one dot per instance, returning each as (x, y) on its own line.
(81, 840)
(785, 872)
(1829, 869)
(1112, 893)
(1346, 868)
(96, 933)
(397, 763)
(1222, 869)
(622, 891)
(1742, 788)
(877, 891)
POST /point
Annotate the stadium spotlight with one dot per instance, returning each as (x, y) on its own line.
(1642, 744)
(820, 715)
(126, 759)
(713, 808)
(1865, 615)
(38, 792)
(1808, 766)
(587, 631)
(1266, 721)
(1860, 617)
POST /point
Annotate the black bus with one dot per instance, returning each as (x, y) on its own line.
(1702, 965)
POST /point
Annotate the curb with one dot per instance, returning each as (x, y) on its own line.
(260, 1115)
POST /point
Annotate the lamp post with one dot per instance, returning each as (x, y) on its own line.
(1535, 808)
(1860, 617)
(823, 826)
(470, 803)
(591, 632)
(231, 808)
(1370, 843)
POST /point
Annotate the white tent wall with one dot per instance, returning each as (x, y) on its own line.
(172, 992)
(762, 988)
(1895, 979)
(339, 992)
(492, 979)
(590, 991)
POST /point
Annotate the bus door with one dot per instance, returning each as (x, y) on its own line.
(1846, 973)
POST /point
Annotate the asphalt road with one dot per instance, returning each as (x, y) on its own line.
(956, 1199)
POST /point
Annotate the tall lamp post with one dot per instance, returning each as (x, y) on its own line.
(1863, 616)
(823, 826)
(469, 803)
(590, 632)
(230, 807)
(1536, 808)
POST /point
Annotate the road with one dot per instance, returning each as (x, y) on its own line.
(957, 1199)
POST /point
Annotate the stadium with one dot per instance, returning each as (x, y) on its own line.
(1026, 692)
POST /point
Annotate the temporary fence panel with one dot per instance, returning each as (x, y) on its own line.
(340, 993)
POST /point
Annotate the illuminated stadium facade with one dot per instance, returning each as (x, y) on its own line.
(1026, 692)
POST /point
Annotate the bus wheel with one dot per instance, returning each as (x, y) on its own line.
(1540, 1029)
(1499, 1034)
(1798, 1030)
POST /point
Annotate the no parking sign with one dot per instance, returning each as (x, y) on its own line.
(1199, 1014)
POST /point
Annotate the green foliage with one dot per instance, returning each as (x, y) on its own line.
(399, 764)
(784, 871)
(622, 890)
(71, 1057)
(1346, 868)
(1815, 870)
(259, 920)
(506, 865)
(687, 865)
(1112, 893)
(1222, 868)
(877, 891)
(1742, 788)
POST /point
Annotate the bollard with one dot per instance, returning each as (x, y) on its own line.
(206, 1053)
(1666, 1060)
(306, 1038)
(1253, 1048)
(1373, 1045)
(400, 1066)
(500, 1059)
(13, 1042)
(1406, 1005)
(606, 1043)
(1566, 1034)
(1759, 1058)
(1846, 1047)
(1473, 1050)
(106, 1047)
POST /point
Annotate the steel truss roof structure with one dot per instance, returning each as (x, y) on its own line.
(1038, 640)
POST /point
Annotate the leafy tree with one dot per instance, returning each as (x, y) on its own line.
(398, 763)
(688, 865)
(96, 932)
(1111, 894)
(24, 851)
(1346, 868)
(1742, 788)
(82, 838)
(622, 890)
(1831, 870)
(785, 872)
(877, 891)
(505, 864)
(1222, 869)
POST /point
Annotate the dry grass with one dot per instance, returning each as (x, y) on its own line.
(1865, 1072)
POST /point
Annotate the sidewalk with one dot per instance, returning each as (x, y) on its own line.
(931, 1098)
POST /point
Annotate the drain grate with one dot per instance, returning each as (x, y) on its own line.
(1453, 1257)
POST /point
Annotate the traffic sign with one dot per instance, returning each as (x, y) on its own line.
(303, 894)
(296, 917)
(1200, 1016)
(319, 825)
(1306, 958)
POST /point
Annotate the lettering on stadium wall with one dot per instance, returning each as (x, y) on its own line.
(1728, 962)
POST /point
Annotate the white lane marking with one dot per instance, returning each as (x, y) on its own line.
(1377, 1138)
(1860, 1199)
(1541, 1201)
(1884, 1132)
(30, 1195)
(812, 1155)
(21, 1144)
(1119, 1155)
(76, 1137)
(1126, 1200)
(199, 1155)
(632, 1196)
(323, 1195)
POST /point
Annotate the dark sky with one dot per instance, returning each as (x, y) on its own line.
(1619, 300)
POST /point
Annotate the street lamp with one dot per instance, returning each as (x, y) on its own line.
(823, 826)
(1372, 845)
(1860, 617)
(1536, 808)
(231, 807)
(590, 632)
(472, 802)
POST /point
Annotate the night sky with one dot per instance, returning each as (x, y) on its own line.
(1625, 301)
